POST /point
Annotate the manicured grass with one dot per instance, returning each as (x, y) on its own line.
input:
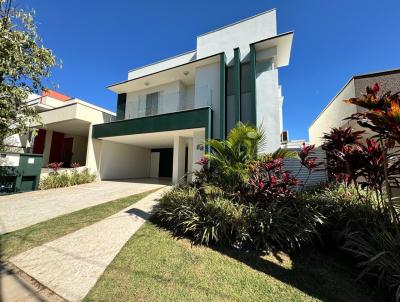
(22, 240)
(153, 266)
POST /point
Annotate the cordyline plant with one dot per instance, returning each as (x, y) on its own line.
(375, 163)
(382, 116)
(55, 166)
(242, 174)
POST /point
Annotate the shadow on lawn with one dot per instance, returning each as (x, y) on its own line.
(316, 274)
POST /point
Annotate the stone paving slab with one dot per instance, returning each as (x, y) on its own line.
(21, 210)
(71, 265)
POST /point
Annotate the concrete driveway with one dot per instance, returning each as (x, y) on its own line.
(21, 210)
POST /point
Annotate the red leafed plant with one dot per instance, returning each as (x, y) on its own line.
(55, 166)
(382, 116)
(75, 165)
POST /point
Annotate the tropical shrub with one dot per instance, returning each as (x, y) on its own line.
(241, 198)
(213, 219)
(66, 179)
(368, 228)
(358, 228)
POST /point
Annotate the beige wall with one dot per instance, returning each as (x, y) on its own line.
(121, 161)
(333, 115)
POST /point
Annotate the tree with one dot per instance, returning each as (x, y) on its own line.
(24, 63)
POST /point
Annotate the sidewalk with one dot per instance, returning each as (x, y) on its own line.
(71, 265)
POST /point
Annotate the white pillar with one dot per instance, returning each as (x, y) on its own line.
(93, 153)
(47, 147)
(190, 159)
(197, 149)
(178, 165)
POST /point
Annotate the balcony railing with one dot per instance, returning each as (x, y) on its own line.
(169, 102)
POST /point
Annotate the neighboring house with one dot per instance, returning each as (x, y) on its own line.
(166, 110)
(336, 111)
(62, 135)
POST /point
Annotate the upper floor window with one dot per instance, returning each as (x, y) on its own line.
(152, 103)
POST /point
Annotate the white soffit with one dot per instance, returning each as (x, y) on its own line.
(164, 139)
(283, 44)
(176, 73)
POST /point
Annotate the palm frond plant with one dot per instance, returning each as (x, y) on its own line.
(232, 158)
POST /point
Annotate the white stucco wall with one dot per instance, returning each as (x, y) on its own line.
(207, 91)
(121, 161)
(268, 108)
(240, 34)
(333, 115)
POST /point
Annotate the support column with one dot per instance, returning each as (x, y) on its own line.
(93, 153)
(47, 147)
(253, 84)
(197, 149)
(236, 71)
(178, 165)
(190, 160)
(222, 105)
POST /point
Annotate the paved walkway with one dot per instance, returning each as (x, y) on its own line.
(71, 265)
(18, 211)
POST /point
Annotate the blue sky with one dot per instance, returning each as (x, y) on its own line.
(99, 41)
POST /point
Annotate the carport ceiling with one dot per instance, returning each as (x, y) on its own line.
(163, 139)
(74, 127)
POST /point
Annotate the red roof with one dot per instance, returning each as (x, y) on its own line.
(56, 95)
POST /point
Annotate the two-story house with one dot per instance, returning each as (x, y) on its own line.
(166, 110)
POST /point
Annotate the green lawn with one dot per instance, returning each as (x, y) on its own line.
(153, 266)
(21, 240)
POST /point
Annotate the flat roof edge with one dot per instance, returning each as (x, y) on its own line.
(163, 60)
(237, 22)
(275, 37)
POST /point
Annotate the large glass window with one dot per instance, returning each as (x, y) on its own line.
(152, 103)
(246, 108)
(230, 98)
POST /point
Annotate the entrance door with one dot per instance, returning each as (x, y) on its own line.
(38, 143)
(166, 161)
(67, 151)
(57, 141)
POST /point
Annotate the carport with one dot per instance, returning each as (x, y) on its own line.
(165, 145)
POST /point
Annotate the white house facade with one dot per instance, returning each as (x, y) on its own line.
(166, 110)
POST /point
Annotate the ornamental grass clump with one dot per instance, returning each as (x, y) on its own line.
(57, 179)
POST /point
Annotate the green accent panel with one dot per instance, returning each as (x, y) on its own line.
(253, 83)
(209, 132)
(25, 177)
(236, 71)
(222, 106)
(121, 104)
(188, 119)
